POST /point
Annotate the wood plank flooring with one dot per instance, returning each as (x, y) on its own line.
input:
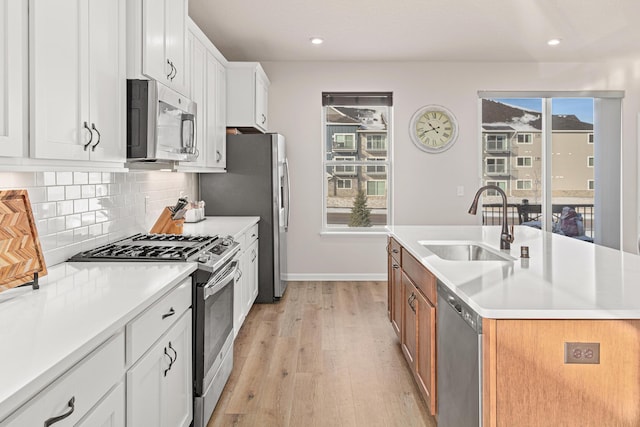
(325, 355)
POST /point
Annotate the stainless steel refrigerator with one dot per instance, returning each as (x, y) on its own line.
(256, 184)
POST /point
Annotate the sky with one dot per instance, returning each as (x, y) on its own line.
(581, 107)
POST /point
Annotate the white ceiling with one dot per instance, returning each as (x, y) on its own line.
(420, 30)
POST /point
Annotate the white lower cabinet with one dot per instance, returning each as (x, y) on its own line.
(159, 385)
(246, 284)
(109, 412)
(69, 398)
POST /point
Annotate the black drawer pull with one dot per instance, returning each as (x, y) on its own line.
(169, 314)
(53, 420)
(171, 360)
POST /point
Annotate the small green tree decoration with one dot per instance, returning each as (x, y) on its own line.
(360, 213)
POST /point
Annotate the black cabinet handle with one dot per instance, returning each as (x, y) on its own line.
(170, 72)
(72, 407)
(218, 156)
(169, 314)
(174, 352)
(264, 119)
(86, 126)
(395, 251)
(171, 360)
(93, 147)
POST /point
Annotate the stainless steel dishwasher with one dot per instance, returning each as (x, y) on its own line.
(459, 350)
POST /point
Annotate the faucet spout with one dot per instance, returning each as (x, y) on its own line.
(506, 235)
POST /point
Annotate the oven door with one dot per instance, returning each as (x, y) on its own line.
(213, 326)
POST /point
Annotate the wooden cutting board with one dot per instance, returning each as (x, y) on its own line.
(20, 252)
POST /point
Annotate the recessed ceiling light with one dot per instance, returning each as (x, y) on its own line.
(316, 40)
(553, 42)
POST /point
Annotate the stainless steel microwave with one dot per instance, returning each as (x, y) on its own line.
(161, 123)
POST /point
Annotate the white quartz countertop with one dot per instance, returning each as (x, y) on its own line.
(222, 225)
(564, 278)
(78, 306)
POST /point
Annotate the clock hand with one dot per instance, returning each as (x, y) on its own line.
(434, 129)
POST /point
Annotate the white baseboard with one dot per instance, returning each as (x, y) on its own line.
(334, 277)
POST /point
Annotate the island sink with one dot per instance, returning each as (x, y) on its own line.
(464, 251)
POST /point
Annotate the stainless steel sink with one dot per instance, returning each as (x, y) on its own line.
(465, 251)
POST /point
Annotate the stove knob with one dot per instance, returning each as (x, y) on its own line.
(204, 258)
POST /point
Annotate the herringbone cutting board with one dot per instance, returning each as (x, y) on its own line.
(20, 251)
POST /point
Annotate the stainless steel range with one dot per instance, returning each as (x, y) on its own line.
(212, 301)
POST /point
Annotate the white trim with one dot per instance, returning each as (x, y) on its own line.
(505, 142)
(551, 94)
(335, 277)
(333, 142)
(590, 138)
(496, 173)
(592, 181)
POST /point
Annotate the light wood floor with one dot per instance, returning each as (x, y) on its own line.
(325, 355)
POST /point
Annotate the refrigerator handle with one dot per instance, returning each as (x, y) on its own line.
(288, 189)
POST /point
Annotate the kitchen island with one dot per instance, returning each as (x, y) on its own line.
(568, 291)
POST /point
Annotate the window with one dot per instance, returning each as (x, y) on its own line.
(524, 161)
(344, 170)
(344, 142)
(356, 161)
(496, 166)
(525, 138)
(376, 142)
(524, 184)
(560, 124)
(344, 184)
(501, 184)
(378, 168)
(496, 142)
(376, 188)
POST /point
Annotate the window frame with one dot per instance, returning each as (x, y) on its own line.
(384, 142)
(497, 182)
(339, 180)
(529, 134)
(496, 150)
(530, 165)
(379, 100)
(591, 184)
(518, 181)
(367, 182)
(494, 173)
(590, 161)
(590, 138)
(349, 150)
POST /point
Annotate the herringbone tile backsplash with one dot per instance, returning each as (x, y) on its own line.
(75, 211)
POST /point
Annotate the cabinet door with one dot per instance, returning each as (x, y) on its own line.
(198, 92)
(13, 80)
(238, 296)
(216, 117)
(109, 412)
(159, 384)
(397, 299)
(262, 100)
(154, 61)
(426, 357)
(409, 327)
(251, 276)
(107, 79)
(177, 408)
(175, 46)
(59, 86)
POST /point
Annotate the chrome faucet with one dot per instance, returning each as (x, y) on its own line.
(506, 235)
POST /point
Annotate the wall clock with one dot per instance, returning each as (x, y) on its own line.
(433, 129)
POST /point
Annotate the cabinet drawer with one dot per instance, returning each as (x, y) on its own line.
(424, 280)
(77, 391)
(394, 249)
(145, 329)
(252, 235)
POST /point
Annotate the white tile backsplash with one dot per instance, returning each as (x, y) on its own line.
(76, 211)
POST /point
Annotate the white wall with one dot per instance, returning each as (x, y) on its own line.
(76, 211)
(424, 185)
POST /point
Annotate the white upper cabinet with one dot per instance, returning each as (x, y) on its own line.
(13, 78)
(247, 96)
(78, 85)
(207, 87)
(156, 42)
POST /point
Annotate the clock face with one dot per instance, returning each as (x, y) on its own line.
(433, 129)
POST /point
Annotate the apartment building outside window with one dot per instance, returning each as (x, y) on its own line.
(524, 161)
(496, 142)
(496, 166)
(356, 161)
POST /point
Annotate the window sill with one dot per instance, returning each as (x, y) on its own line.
(378, 231)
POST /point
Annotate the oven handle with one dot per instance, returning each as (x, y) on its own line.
(214, 285)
